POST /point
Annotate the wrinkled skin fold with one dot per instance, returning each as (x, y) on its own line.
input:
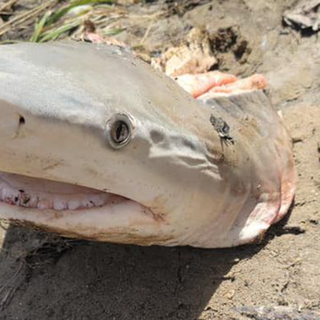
(211, 173)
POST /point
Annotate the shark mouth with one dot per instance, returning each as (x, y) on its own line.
(75, 211)
(34, 193)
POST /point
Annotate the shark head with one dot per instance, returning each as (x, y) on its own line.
(95, 144)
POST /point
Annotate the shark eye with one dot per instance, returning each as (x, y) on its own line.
(119, 131)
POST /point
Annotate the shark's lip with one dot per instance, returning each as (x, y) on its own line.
(41, 194)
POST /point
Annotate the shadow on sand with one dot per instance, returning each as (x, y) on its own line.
(55, 278)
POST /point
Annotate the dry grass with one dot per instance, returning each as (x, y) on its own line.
(72, 20)
(25, 16)
(56, 19)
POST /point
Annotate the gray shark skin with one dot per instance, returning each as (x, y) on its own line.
(96, 144)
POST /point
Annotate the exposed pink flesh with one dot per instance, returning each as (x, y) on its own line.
(198, 84)
(212, 84)
(288, 188)
(254, 82)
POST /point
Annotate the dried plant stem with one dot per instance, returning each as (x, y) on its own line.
(24, 17)
(7, 5)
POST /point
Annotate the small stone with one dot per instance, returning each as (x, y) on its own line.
(230, 294)
(297, 139)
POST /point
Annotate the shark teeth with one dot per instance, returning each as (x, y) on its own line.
(14, 194)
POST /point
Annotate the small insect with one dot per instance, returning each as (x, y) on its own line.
(222, 129)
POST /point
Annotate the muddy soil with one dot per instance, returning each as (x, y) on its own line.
(44, 277)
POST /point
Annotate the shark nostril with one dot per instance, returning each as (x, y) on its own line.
(22, 120)
(21, 123)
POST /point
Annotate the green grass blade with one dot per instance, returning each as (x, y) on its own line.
(56, 33)
(39, 27)
(113, 32)
(73, 4)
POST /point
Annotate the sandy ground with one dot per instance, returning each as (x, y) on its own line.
(44, 277)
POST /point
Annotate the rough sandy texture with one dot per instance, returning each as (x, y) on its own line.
(43, 277)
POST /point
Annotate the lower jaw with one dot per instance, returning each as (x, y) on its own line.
(60, 206)
(118, 219)
(121, 221)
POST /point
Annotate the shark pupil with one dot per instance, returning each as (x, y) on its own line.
(120, 132)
